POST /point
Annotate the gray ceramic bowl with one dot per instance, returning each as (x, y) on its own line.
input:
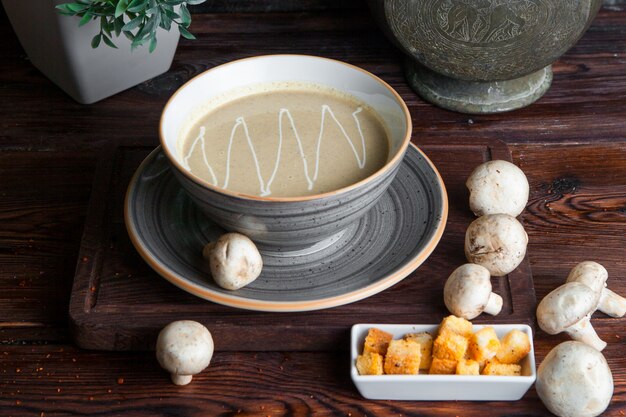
(286, 223)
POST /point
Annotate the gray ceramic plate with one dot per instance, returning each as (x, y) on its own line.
(390, 242)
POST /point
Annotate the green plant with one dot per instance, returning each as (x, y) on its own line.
(138, 20)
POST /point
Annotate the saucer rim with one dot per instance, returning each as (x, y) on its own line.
(252, 304)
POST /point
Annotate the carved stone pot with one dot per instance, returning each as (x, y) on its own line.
(483, 56)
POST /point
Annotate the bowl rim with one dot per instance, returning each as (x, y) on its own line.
(381, 171)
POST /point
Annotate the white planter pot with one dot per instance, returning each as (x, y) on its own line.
(62, 51)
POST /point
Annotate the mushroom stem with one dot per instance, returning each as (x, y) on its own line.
(584, 332)
(494, 304)
(612, 304)
(181, 379)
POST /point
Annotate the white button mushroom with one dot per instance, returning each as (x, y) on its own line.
(234, 261)
(567, 309)
(594, 275)
(497, 242)
(467, 292)
(184, 348)
(498, 187)
(574, 380)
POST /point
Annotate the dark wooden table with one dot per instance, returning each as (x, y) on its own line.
(571, 144)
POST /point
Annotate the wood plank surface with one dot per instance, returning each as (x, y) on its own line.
(68, 381)
(43, 201)
(571, 144)
(226, 6)
(589, 81)
(578, 205)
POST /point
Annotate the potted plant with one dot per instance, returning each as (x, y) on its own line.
(93, 49)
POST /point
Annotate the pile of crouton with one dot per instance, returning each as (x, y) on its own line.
(455, 350)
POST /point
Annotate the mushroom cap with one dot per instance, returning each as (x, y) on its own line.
(498, 187)
(497, 242)
(574, 380)
(467, 291)
(184, 347)
(564, 306)
(235, 261)
(590, 273)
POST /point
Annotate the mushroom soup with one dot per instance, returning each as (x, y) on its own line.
(286, 140)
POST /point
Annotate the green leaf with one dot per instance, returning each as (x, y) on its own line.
(96, 41)
(157, 22)
(118, 24)
(129, 35)
(185, 16)
(171, 14)
(121, 8)
(138, 42)
(108, 41)
(133, 24)
(77, 7)
(150, 26)
(106, 26)
(137, 5)
(63, 9)
(65, 13)
(166, 23)
(142, 32)
(153, 44)
(185, 33)
(85, 19)
(138, 20)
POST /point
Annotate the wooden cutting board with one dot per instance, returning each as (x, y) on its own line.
(119, 303)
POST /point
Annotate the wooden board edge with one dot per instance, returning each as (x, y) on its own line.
(84, 286)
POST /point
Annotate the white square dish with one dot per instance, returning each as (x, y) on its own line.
(426, 387)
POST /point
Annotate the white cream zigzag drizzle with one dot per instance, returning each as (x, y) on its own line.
(265, 186)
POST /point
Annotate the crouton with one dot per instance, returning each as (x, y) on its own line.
(483, 345)
(442, 366)
(467, 367)
(369, 363)
(456, 325)
(425, 341)
(502, 369)
(450, 346)
(377, 341)
(514, 347)
(403, 357)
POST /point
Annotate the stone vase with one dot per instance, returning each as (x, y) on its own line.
(483, 56)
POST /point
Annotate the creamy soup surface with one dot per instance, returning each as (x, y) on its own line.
(287, 142)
